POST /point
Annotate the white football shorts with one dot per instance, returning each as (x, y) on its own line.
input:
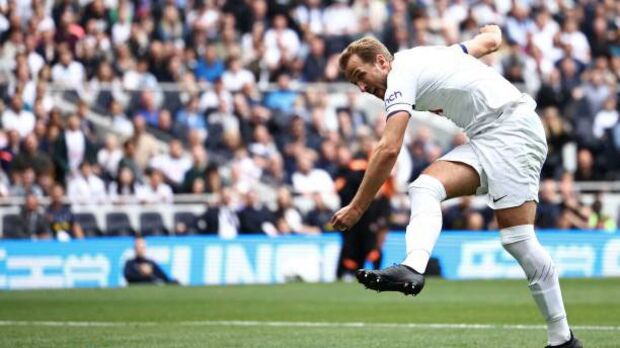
(508, 155)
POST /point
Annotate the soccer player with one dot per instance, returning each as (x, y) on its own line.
(503, 158)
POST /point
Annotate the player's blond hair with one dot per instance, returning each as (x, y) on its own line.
(366, 48)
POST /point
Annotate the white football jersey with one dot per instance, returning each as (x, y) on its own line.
(451, 83)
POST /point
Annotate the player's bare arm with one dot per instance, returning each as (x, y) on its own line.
(379, 168)
(488, 41)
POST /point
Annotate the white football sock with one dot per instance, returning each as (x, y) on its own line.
(425, 194)
(522, 244)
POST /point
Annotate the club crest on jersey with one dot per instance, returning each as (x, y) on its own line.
(392, 97)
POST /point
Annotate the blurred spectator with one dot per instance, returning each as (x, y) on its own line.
(33, 222)
(173, 164)
(462, 216)
(220, 218)
(599, 220)
(142, 270)
(606, 118)
(198, 170)
(557, 133)
(283, 97)
(120, 123)
(281, 41)
(575, 41)
(548, 210)
(86, 187)
(315, 62)
(144, 142)
(210, 68)
(586, 170)
(320, 215)
(72, 148)
(17, 118)
(68, 73)
(254, 217)
(31, 157)
(61, 219)
(308, 180)
(235, 75)
(190, 118)
(109, 157)
(24, 183)
(148, 109)
(124, 188)
(155, 190)
(288, 218)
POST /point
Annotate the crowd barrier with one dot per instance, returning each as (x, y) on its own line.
(204, 260)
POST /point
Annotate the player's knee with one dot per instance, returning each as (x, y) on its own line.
(427, 185)
(516, 234)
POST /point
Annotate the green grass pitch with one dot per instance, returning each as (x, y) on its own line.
(304, 315)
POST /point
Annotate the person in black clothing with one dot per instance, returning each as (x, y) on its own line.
(60, 217)
(141, 270)
(32, 221)
(320, 215)
(359, 243)
(255, 217)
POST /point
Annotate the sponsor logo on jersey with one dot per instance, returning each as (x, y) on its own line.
(392, 97)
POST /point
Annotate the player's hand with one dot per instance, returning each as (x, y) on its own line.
(346, 218)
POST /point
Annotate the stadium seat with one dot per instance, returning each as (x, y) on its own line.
(187, 219)
(88, 223)
(10, 224)
(118, 224)
(152, 224)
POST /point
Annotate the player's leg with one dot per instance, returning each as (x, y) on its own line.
(518, 238)
(443, 179)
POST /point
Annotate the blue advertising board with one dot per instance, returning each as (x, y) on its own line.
(202, 260)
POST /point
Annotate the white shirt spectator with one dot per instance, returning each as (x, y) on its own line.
(134, 80)
(211, 99)
(228, 223)
(22, 121)
(340, 19)
(160, 194)
(518, 30)
(76, 148)
(234, 80)
(29, 93)
(543, 36)
(374, 10)
(285, 41)
(35, 63)
(485, 14)
(71, 75)
(109, 159)
(173, 168)
(122, 125)
(245, 172)
(310, 17)
(604, 120)
(579, 43)
(316, 180)
(86, 190)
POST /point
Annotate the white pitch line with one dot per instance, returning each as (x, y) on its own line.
(300, 324)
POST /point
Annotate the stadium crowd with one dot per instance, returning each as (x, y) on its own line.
(227, 84)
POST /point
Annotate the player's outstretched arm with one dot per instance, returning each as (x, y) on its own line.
(379, 168)
(488, 41)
